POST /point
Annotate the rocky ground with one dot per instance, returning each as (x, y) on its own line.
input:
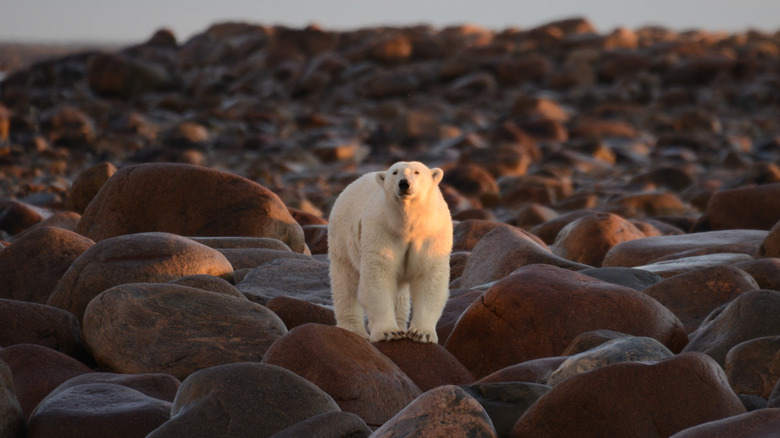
(616, 264)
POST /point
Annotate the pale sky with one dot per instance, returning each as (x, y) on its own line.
(134, 21)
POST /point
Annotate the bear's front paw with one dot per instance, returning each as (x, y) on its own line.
(388, 335)
(422, 336)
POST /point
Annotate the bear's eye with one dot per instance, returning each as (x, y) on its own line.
(395, 172)
(416, 172)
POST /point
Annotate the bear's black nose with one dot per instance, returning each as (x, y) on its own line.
(403, 185)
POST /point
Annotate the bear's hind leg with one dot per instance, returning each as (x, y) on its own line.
(402, 307)
(344, 279)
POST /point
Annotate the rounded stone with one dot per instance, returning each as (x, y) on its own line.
(31, 267)
(428, 365)
(443, 411)
(144, 257)
(361, 379)
(33, 323)
(242, 399)
(189, 201)
(634, 399)
(542, 308)
(177, 330)
(588, 239)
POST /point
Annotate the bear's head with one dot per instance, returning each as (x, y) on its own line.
(408, 180)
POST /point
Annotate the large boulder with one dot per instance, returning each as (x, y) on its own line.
(31, 267)
(87, 185)
(189, 201)
(753, 367)
(744, 208)
(428, 365)
(147, 327)
(37, 371)
(33, 323)
(693, 295)
(504, 249)
(135, 258)
(763, 423)
(634, 399)
(242, 399)
(644, 251)
(97, 410)
(588, 239)
(361, 379)
(751, 315)
(443, 411)
(537, 311)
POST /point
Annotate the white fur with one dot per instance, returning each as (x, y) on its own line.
(387, 249)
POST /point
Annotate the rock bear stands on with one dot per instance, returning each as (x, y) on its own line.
(389, 244)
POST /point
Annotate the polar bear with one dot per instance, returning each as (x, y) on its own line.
(389, 244)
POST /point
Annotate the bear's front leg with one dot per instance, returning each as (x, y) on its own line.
(429, 295)
(377, 293)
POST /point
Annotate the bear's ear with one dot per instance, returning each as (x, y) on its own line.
(437, 175)
(380, 178)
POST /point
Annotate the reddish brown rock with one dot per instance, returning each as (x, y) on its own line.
(548, 230)
(770, 247)
(474, 181)
(458, 302)
(542, 308)
(12, 421)
(766, 272)
(98, 410)
(693, 295)
(145, 257)
(16, 216)
(504, 249)
(66, 220)
(428, 365)
(177, 330)
(32, 266)
(361, 379)
(466, 234)
(37, 370)
(753, 367)
(751, 315)
(588, 239)
(295, 312)
(316, 238)
(744, 208)
(214, 203)
(534, 371)
(650, 204)
(242, 399)
(644, 251)
(763, 423)
(33, 323)
(86, 186)
(634, 400)
(443, 411)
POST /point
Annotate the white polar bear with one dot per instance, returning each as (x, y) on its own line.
(389, 241)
